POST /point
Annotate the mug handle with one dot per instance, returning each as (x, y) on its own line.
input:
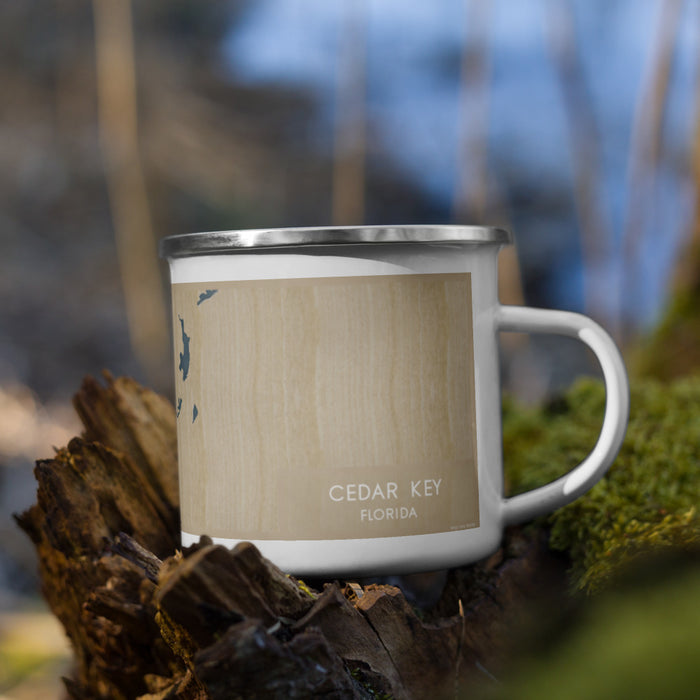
(567, 488)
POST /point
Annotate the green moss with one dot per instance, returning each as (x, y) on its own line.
(16, 667)
(648, 499)
(19, 663)
(640, 641)
(303, 587)
(671, 350)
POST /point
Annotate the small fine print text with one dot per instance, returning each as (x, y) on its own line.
(375, 496)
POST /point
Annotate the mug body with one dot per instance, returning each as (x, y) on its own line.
(337, 395)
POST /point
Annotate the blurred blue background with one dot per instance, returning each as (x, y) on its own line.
(420, 105)
(573, 122)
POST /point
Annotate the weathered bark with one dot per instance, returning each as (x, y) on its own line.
(148, 621)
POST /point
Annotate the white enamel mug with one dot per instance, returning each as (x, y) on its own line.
(338, 395)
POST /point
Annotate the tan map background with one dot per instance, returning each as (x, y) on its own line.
(286, 388)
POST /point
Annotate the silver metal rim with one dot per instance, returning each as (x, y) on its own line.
(213, 242)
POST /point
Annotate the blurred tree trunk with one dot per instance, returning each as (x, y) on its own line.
(646, 145)
(585, 146)
(476, 200)
(350, 118)
(472, 197)
(673, 348)
(136, 244)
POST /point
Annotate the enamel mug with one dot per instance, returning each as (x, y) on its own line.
(338, 395)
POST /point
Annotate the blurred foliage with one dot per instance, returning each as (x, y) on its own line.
(34, 653)
(639, 641)
(648, 499)
(673, 348)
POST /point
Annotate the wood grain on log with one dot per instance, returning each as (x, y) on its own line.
(148, 621)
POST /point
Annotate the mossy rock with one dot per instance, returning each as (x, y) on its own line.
(648, 499)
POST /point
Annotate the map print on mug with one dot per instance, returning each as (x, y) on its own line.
(349, 400)
(338, 397)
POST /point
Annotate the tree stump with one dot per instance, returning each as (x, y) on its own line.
(147, 620)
